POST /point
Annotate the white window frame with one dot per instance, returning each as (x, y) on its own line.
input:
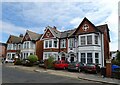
(89, 41)
(63, 43)
(96, 39)
(97, 58)
(71, 43)
(83, 42)
(90, 57)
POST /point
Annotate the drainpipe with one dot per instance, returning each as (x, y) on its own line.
(102, 49)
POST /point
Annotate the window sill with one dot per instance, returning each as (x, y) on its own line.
(88, 45)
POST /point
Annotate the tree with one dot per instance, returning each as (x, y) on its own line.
(32, 58)
(50, 61)
(117, 61)
(118, 56)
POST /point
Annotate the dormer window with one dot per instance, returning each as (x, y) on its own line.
(85, 27)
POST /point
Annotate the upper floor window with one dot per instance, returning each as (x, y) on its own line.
(55, 43)
(89, 39)
(46, 44)
(14, 46)
(50, 43)
(9, 46)
(71, 42)
(63, 43)
(25, 45)
(82, 40)
(19, 46)
(96, 39)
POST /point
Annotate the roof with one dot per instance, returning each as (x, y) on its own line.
(3, 44)
(14, 39)
(33, 35)
(54, 31)
(104, 27)
(67, 33)
(85, 19)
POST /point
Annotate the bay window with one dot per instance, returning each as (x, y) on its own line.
(96, 39)
(71, 43)
(82, 40)
(83, 59)
(89, 58)
(63, 43)
(46, 44)
(55, 43)
(97, 58)
(89, 40)
(50, 43)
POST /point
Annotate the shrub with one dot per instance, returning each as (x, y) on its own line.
(32, 58)
(18, 62)
(50, 61)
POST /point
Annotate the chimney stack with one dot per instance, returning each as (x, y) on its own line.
(21, 35)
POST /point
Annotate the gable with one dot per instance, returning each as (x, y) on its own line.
(48, 34)
(85, 27)
(26, 37)
(9, 40)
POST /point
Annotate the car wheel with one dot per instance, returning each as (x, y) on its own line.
(96, 72)
(79, 70)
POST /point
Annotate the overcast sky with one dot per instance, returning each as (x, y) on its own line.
(17, 17)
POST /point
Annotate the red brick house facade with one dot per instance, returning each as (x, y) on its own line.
(87, 43)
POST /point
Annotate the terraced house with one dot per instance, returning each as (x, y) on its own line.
(87, 43)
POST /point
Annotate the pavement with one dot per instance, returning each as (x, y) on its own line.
(83, 76)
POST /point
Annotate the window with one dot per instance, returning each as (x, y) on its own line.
(45, 56)
(71, 43)
(14, 46)
(50, 43)
(89, 39)
(96, 39)
(27, 44)
(82, 40)
(63, 43)
(31, 53)
(89, 58)
(55, 43)
(55, 56)
(97, 58)
(9, 46)
(19, 46)
(46, 44)
(83, 59)
(49, 54)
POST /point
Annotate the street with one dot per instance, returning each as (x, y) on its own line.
(12, 75)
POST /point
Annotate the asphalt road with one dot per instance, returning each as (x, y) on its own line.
(12, 75)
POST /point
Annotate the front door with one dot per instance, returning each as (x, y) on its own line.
(72, 59)
(63, 58)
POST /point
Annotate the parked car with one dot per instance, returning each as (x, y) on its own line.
(26, 62)
(78, 66)
(115, 68)
(60, 64)
(41, 63)
(9, 61)
(92, 68)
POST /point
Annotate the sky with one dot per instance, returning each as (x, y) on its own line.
(17, 17)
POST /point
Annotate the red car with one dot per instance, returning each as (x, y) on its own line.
(92, 68)
(60, 64)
